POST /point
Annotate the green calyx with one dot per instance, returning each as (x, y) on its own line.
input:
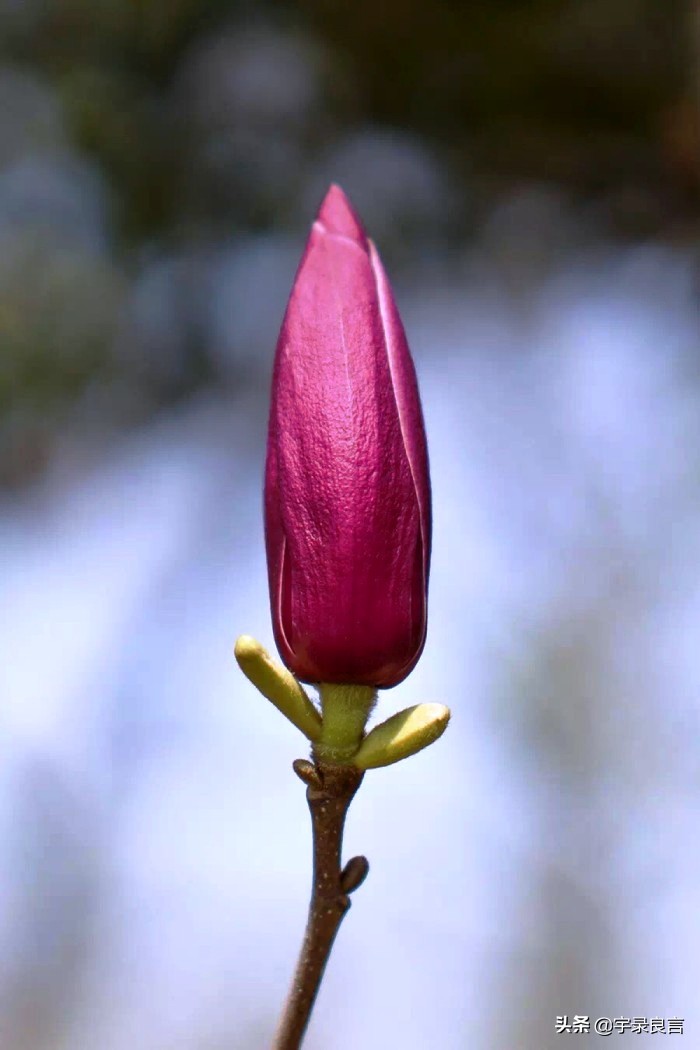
(337, 732)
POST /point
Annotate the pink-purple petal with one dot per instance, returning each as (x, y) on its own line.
(347, 493)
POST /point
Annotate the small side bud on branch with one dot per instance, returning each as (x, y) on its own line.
(354, 874)
(307, 772)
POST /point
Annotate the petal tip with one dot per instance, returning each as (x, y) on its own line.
(339, 217)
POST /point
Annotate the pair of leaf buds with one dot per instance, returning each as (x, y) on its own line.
(337, 732)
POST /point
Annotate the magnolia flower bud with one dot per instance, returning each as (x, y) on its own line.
(347, 488)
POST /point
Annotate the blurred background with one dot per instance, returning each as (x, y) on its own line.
(531, 174)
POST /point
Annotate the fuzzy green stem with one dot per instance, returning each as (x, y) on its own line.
(345, 709)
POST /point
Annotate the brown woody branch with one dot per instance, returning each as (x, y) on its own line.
(330, 790)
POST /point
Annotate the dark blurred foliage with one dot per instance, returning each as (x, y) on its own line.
(142, 141)
(550, 89)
